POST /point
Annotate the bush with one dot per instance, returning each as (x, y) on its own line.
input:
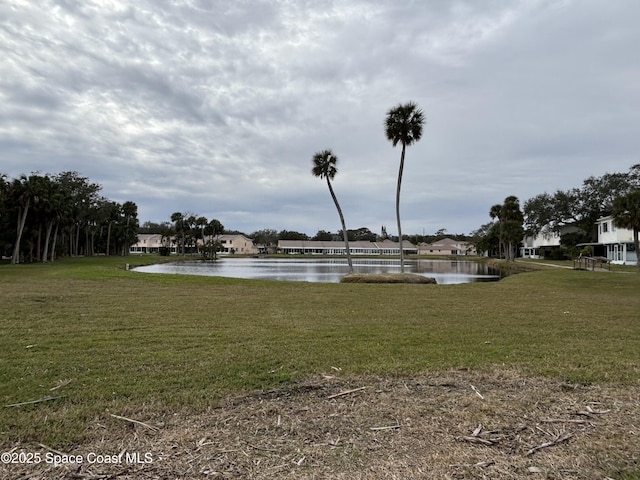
(558, 254)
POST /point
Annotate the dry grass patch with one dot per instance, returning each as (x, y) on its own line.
(498, 424)
(386, 278)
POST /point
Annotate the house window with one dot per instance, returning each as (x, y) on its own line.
(605, 227)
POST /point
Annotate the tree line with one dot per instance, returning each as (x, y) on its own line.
(44, 216)
(616, 194)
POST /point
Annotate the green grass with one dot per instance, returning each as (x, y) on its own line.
(130, 341)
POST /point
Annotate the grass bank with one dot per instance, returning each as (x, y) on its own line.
(104, 339)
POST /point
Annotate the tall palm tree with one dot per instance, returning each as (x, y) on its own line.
(626, 214)
(496, 212)
(403, 125)
(324, 166)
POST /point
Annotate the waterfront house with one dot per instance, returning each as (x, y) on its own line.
(617, 242)
(446, 246)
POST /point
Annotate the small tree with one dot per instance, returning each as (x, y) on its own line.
(213, 229)
(509, 224)
(511, 221)
(324, 166)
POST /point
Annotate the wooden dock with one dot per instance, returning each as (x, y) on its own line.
(591, 263)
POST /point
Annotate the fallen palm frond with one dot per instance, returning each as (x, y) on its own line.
(32, 402)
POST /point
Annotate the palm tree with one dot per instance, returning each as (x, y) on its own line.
(626, 214)
(496, 212)
(25, 191)
(324, 166)
(178, 219)
(403, 125)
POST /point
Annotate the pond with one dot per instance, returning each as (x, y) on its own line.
(326, 269)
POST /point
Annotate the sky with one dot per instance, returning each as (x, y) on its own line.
(215, 108)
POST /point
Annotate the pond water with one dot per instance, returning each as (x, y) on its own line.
(326, 269)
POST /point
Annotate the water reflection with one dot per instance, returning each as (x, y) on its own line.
(326, 269)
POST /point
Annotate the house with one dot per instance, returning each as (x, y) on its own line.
(151, 243)
(446, 246)
(237, 244)
(546, 240)
(314, 247)
(617, 242)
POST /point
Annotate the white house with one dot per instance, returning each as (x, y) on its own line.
(618, 242)
(534, 246)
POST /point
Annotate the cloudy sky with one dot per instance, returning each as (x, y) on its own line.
(216, 107)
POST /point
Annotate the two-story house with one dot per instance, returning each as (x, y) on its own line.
(446, 246)
(237, 244)
(617, 242)
(151, 243)
(545, 241)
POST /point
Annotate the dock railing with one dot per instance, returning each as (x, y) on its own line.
(591, 263)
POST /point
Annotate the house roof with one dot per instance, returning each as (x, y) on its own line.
(149, 236)
(233, 237)
(446, 243)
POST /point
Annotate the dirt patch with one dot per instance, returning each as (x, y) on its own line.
(454, 425)
(386, 278)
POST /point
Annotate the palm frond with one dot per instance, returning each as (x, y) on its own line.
(324, 164)
(404, 124)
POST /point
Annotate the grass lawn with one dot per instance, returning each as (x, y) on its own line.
(104, 339)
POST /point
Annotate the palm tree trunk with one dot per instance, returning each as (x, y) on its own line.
(398, 208)
(39, 242)
(636, 243)
(108, 239)
(47, 236)
(15, 258)
(344, 228)
(53, 243)
(77, 239)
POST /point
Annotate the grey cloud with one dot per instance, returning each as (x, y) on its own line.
(217, 107)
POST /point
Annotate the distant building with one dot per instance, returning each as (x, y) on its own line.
(314, 247)
(237, 244)
(446, 246)
(151, 243)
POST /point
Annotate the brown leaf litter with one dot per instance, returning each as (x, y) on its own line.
(454, 425)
